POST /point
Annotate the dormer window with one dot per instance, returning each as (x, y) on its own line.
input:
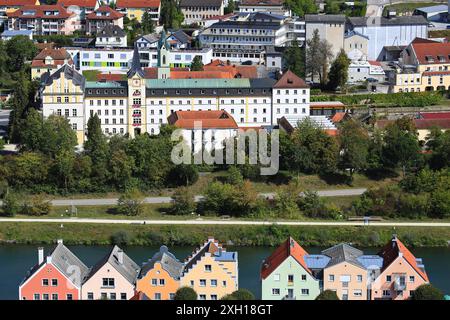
(441, 58)
(429, 58)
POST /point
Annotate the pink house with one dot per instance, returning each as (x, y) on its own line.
(57, 277)
(401, 273)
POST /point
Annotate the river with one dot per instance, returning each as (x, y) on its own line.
(16, 260)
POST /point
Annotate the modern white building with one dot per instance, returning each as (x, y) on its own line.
(111, 36)
(362, 70)
(268, 6)
(195, 11)
(392, 31)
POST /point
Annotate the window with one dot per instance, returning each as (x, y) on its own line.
(305, 292)
(357, 293)
(331, 277)
(214, 297)
(37, 296)
(275, 291)
(45, 282)
(108, 282)
(276, 277)
(213, 283)
(171, 296)
(157, 296)
(386, 293)
(388, 278)
(411, 279)
(162, 282)
(224, 283)
(66, 112)
(45, 296)
(359, 278)
(290, 278)
(54, 296)
(54, 282)
(74, 112)
(202, 283)
(90, 296)
(74, 126)
(154, 282)
(207, 268)
(103, 296)
(112, 296)
(69, 296)
(123, 296)
(303, 277)
(202, 297)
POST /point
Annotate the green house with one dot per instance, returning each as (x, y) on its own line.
(285, 275)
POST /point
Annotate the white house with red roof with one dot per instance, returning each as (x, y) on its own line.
(286, 276)
(101, 17)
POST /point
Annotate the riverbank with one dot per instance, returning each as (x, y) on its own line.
(236, 235)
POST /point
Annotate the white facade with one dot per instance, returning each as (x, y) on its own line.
(207, 139)
(102, 59)
(360, 71)
(111, 42)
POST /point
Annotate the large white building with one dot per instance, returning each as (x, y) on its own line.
(392, 31)
(141, 105)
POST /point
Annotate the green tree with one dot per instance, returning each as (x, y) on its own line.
(10, 206)
(338, 75)
(171, 16)
(440, 204)
(130, 203)
(301, 7)
(36, 205)
(286, 201)
(234, 176)
(20, 49)
(184, 174)
(183, 201)
(243, 294)
(354, 146)
(185, 293)
(294, 59)
(57, 136)
(64, 165)
(96, 147)
(332, 7)
(318, 55)
(18, 103)
(327, 295)
(230, 8)
(197, 64)
(2, 144)
(427, 292)
(147, 23)
(121, 168)
(314, 150)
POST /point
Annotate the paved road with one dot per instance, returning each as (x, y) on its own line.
(113, 201)
(227, 222)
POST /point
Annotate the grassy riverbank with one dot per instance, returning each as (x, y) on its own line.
(92, 234)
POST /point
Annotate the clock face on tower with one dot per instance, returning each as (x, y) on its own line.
(136, 82)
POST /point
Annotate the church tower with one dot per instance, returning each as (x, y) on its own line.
(163, 57)
(136, 96)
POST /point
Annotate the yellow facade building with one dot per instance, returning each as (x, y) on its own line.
(135, 9)
(424, 66)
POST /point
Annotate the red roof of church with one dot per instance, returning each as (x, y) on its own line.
(213, 119)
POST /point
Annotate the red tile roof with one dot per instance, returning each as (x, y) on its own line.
(152, 72)
(290, 80)
(43, 45)
(435, 115)
(248, 72)
(431, 52)
(214, 119)
(288, 248)
(338, 117)
(200, 75)
(113, 14)
(392, 251)
(138, 3)
(59, 57)
(436, 73)
(424, 124)
(79, 3)
(39, 12)
(17, 3)
(110, 77)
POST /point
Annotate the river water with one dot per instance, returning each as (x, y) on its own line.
(16, 260)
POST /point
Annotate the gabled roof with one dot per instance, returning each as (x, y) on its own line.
(181, 36)
(113, 14)
(325, 18)
(17, 3)
(213, 119)
(343, 253)
(201, 3)
(290, 80)
(168, 262)
(289, 248)
(39, 12)
(66, 262)
(56, 54)
(261, 3)
(393, 249)
(111, 31)
(430, 52)
(138, 3)
(79, 3)
(69, 73)
(128, 268)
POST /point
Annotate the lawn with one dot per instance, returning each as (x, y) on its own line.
(91, 75)
(410, 7)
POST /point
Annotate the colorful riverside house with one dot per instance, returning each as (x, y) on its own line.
(112, 278)
(159, 278)
(211, 271)
(349, 272)
(401, 274)
(285, 275)
(57, 277)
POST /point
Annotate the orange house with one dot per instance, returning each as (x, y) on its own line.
(159, 278)
(401, 274)
(57, 277)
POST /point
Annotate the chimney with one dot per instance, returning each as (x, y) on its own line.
(40, 255)
(120, 256)
(60, 241)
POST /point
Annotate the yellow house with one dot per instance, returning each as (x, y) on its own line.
(63, 95)
(49, 60)
(135, 9)
(211, 271)
(13, 5)
(425, 66)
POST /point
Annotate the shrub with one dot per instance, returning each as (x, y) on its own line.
(36, 206)
(120, 238)
(183, 201)
(234, 176)
(427, 292)
(243, 294)
(10, 206)
(185, 293)
(327, 295)
(130, 203)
